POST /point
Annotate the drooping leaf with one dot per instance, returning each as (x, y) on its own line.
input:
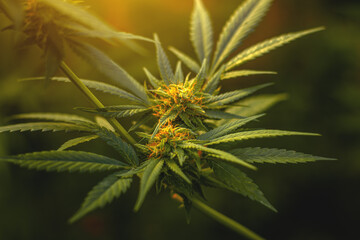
(103, 193)
(156, 83)
(118, 111)
(226, 128)
(266, 46)
(61, 117)
(44, 127)
(166, 72)
(201, 33)
(256, 104)
(151, 173)
(61, 161)
(240, 24)
(237, 181)
(126, 151)
(216, 153)
(187, 60)
(241, 73)
(99, 86)
(233, 96)
(176, 169)
(273, 155)
(110, 69)
(239, 136)
(76, 141)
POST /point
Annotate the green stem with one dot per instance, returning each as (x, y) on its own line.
(93, 99)
(226, 221)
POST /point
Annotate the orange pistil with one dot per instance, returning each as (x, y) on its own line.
(167, 138)
(174, 96)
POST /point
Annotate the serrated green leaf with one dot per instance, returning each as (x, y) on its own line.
(214, 81)
(238, 182)
(61, 117)
(201, 33)
(110, 69)
(273, 155)
(201, 76)
(218, 114)
(257, 104)
(240, 24)
(187, 60)
(102, 122)
(151, 173)
(217, 154)
(266, 46)
(241, 73)
(44, 127)
(118, 111)
(126, 151)
(226, 128)
(179, 75)
(164, 66)
(256, 134)
(99, 86)
(76, 141)
(103, 193)
(233, 96)
(176, 169)
(156, 83)
(61, 161)
(180, 155)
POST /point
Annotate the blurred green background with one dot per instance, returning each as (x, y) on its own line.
(321, 74)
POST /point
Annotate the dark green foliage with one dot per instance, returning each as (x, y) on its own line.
(190, 121)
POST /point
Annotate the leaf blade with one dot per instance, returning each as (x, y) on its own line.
(103, 193)
(201, 33)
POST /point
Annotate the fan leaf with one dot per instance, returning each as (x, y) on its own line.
(256, 134)
(165, 69)
(71, 161)
(233, 96)
(103, 193)
(156, 83)
(238, 182)
(266, 46)
(240, 24)
(201, 33)
(110, 69)
(126, 151)
(151, 173)
(217, 154)
(44, 127)
(76, 141)
(226, 128)
(177, 170)
(273, 155)
(188, 61)
(242, 73)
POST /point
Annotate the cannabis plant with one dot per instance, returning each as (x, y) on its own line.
(187, 132)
